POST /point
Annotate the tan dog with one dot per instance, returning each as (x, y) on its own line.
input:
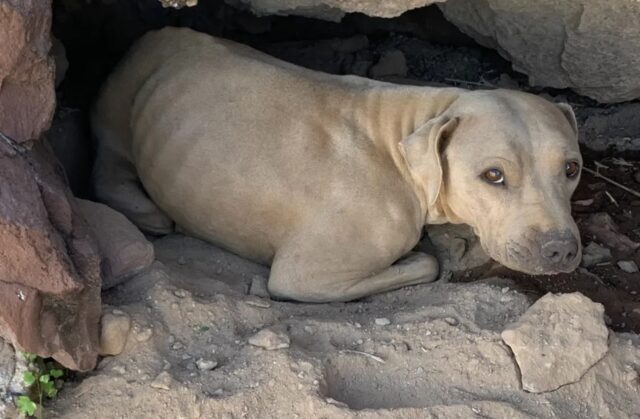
(330, 178)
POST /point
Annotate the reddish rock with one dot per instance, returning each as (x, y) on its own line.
(49, 263)
(27, 93)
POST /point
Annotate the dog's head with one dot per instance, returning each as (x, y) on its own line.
(505, 163)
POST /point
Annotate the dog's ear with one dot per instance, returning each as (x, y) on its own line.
(566, 109)
(423, 152)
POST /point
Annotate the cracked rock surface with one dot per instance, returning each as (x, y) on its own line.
(557, 340)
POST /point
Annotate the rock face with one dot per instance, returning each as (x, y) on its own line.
(49, 264)
(331, 9)
(124, 249)
(27, 96)
(557, 340)
(590, 46)
(7, 367)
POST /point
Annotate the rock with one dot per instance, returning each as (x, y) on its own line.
(350, 45)
(7, 366)
(49, 264)
(60, 59)
(163, 381)
(27, 93)
(332, 10)
(507, 82)
(593, 253)
(270, 339)
(70, 142)
(124, 249)
(178, 4)
(206, 364)
(143, 335)
(615, 128)
(258, 286)
(391, 63)
(590, 46)
(557, 340)
(602, 227)
(628, 266)
(457, 247)
(115, 327)
(382, 321)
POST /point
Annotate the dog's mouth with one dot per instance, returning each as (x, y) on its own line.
(534, 259)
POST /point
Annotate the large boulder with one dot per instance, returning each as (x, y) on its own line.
(332, 10)
(27, 93)
(590, 46)
(49, 263)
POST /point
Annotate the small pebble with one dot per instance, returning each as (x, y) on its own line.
(180, 293)
(382, 321)
(451, 321)
(162, 381)
(258, 303)
(120, 369)
(628, 266)
(177, 346)
(336, 403)
(182, 260)
(206, 364)
(144, 334)
(270, 339)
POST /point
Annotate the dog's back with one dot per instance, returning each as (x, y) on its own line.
(235, 146)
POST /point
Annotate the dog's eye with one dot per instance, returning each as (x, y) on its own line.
(572, 168)
(494, 176)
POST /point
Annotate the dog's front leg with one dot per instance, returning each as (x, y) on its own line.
(302, 284)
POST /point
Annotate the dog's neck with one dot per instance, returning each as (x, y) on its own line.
(397, 118)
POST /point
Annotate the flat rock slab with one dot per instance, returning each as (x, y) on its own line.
(557, 340)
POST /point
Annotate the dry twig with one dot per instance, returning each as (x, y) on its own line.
(368, 355)
(611, 181)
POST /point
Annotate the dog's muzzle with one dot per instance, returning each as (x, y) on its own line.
(547, 253)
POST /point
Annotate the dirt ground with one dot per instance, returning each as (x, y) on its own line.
(441, 354)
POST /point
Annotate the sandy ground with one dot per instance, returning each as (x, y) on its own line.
(440, 356)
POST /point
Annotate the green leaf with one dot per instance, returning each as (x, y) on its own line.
(49, 389)
(44, 378)
(56, 373)
(29, 356)
(28, 378)
(26, 405)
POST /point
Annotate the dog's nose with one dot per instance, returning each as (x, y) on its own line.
(560, 251)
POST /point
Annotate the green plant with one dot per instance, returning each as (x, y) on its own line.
(43, 379)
